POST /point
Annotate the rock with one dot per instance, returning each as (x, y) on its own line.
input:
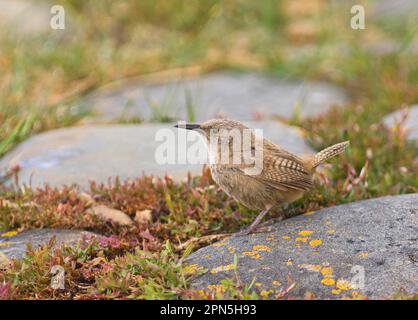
(80, 154)
(411, 123)
(143, 216)
(15, 246)
(386, 47)
(25, 17)
(394, 14)
(238, 96)
(112, 215)
(396, 9)
(325, 252)
(87, 199)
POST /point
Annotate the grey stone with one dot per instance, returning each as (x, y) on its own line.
(15, 247)
(110, 214)
(79, 154)
(396, 9)
(411, 122)
(386, 47)
(393, 13)
(25, 17)
(235, 95)
(377, 236)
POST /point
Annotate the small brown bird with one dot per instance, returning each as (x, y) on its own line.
(281, 179)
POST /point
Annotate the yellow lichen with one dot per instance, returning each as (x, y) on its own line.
(258, 284)
(228, 267)
(9, 234)
(5, 244)
(219, 244)
(289, 262)
(311, 267)
(363, 255)
(328, 282)
(356, 295)
(331, 232)
(343, 285)
(315, 243)
(309, 213)
(305, 233)
(217, 287)
(285, 237)
(201, 292)
(316, 267)
(300, 239)
(336, 291)
(327, 271)
(261, 248)
(266, 293)
(232, 250)
(252, 254)
(190, 269)
(276, 283)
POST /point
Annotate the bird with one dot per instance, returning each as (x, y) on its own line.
(281, 177)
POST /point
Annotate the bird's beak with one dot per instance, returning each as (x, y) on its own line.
(188, 126)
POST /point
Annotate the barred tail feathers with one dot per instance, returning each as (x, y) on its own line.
(329, 153)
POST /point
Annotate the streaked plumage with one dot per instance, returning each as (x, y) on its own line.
(284, 177)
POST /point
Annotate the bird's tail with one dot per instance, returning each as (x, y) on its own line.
(328, 153)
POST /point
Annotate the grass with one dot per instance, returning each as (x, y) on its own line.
(146, 253)
(43, 90)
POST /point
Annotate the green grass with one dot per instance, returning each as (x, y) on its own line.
(43, 90)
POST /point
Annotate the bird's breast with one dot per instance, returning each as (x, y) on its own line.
(245, 189)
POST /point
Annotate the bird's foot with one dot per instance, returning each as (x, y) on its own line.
(247, 231)
(263, 229)
(255, 223)
(270, 222)
(243, 232)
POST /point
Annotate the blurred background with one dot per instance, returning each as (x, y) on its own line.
(47, 75)
(80, 107)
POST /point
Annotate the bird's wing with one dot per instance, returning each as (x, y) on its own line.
(283, 170)
(280, 170)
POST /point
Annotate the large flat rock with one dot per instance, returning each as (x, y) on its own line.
(324, 252)
(238, 96)
(79, 154)
(15, 246)
(396, 9)
(25, 17)
(411, 122)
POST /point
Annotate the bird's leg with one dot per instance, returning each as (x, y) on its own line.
(278, 219)
(270, 222)
(255, 223)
